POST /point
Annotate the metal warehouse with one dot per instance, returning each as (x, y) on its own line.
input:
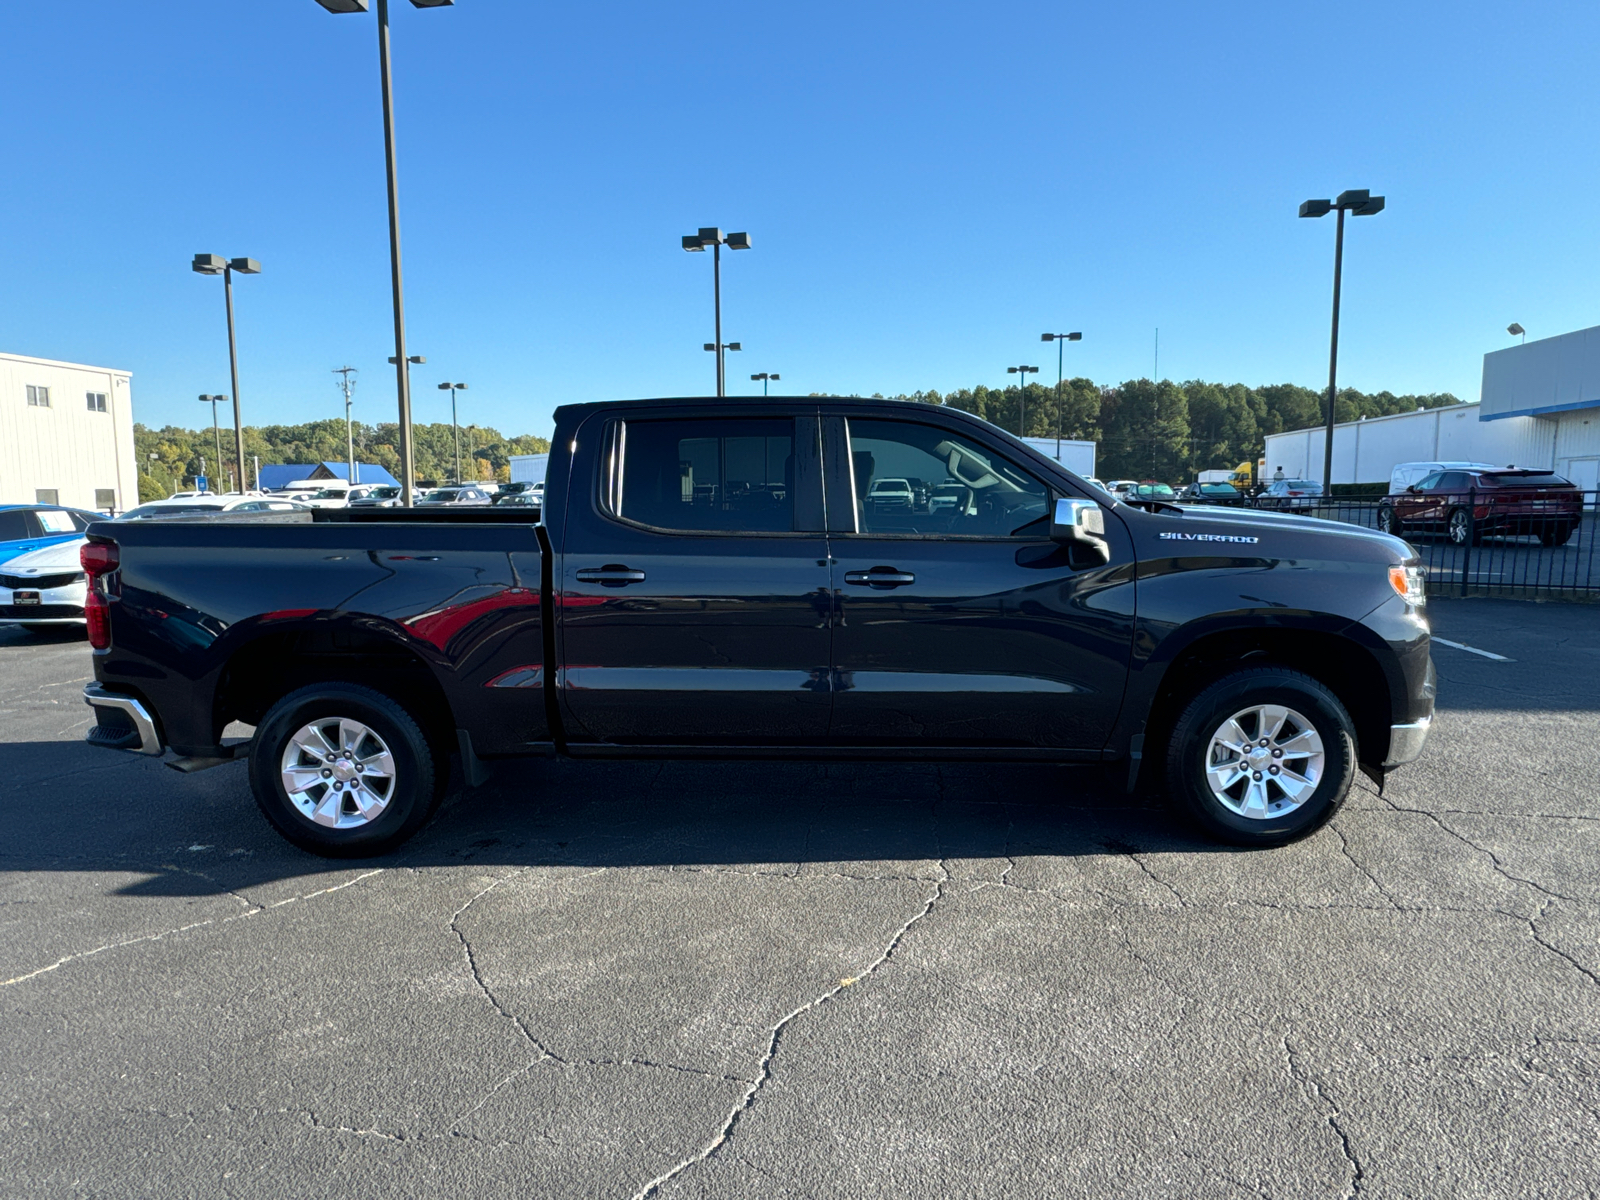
(66, 435)
(1540, 407)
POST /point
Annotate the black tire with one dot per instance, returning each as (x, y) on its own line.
(1389, 521)
(1555, 536)
(414, 792)
(1189, 749)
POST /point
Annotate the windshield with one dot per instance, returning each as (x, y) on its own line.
(383, 493)
(439, 495)
(330, 494)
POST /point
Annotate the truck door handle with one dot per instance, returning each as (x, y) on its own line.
(610, 575)
(880, 577)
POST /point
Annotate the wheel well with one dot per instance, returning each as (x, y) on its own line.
(269, 668)
(1344, 667)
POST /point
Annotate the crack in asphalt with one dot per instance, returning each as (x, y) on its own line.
(1301, 1075)
(776, 1032)
(166, 933)
(542, 1051)
(1533, 931)
(1494, 859)
(1344, 848)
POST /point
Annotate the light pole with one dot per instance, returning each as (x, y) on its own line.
(215, 264)
(1516, 330)
(1361, 203)
(1060, 339)
(402, 376)
(696, 243)
(1022, 396)
(453, 388)
(763, 377)
(216, 431)
(347, 385)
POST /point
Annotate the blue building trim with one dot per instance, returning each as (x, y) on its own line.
(1543, 410)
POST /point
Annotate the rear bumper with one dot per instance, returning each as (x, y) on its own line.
(130, 726)
(1406, 742)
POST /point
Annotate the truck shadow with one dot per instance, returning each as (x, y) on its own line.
(202, 835)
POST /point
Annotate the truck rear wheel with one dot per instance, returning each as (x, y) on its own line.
(343, 771)
(1262, 757)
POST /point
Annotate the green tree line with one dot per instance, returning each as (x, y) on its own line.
(1166, 430)
(171, 458)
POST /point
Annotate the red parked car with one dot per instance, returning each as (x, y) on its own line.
(1478, 504)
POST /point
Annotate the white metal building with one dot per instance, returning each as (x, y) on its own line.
(66, 435)
(1555, 381)
(1367, 451)
(1540, 407)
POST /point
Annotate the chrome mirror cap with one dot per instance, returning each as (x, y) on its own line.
(1082, 522)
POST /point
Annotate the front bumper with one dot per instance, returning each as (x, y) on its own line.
(1406, 742)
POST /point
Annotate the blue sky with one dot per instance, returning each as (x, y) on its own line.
(928, 187)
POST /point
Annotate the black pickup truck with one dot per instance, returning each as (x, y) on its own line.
(804, 578)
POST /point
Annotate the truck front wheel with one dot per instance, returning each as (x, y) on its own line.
(343, 771)
(1262, 757)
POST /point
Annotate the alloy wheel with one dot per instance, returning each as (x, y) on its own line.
(1264, 761)
(338, 772)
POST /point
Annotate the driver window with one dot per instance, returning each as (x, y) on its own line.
(922, 480)
(1430, 481)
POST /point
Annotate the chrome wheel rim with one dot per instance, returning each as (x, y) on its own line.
(1386, 520)
(1264, 762)
(1458, 528)
(338, 773)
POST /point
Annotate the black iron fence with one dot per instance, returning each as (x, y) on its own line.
(1489, 550)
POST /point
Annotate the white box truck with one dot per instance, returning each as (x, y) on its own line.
(1077, 457)
(529, 468)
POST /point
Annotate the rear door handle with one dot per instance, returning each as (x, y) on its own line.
(880, 577)
(610, 575)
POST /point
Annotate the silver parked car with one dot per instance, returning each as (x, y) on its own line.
(462, 497)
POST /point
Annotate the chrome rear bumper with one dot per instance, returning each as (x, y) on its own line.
(149, 741)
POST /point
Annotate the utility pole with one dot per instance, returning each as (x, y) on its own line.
(347, 385)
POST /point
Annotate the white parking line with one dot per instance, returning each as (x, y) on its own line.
(1472, 650)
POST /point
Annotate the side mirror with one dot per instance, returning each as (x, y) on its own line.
(1083, 523)
(1411, 490)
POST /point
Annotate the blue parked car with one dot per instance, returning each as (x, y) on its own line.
(25, 527)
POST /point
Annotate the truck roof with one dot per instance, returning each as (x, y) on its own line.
(751, 402)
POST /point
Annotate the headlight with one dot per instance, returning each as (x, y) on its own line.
(1409, 584)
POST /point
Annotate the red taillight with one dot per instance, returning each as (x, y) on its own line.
(97, 613)
(98, 558)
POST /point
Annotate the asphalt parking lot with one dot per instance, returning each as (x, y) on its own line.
(747, 979)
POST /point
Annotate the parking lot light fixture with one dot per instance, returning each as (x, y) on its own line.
(696, 243)
(216, 430)
(408, 474)
(764, 376)
(1516, 330)
(453, 388)
(1358, 202)
(215, 264)
(1022, 374)
(1059, 339)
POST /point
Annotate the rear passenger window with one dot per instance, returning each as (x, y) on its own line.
(1453, 481)
(707, 474)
